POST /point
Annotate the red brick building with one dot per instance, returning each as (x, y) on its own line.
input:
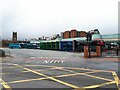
(82, 34)
(66, 34)
(73, 34)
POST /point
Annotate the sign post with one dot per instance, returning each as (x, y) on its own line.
(89, 39)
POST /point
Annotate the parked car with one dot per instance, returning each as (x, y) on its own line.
(14, 45)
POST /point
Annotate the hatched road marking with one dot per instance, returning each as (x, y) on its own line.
(67, 69)
(51, 78)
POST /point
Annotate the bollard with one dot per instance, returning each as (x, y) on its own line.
(98, 51)
(85, 51)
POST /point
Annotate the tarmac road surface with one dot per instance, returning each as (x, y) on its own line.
(38, 69)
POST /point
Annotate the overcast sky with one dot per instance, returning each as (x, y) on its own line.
(35, 18)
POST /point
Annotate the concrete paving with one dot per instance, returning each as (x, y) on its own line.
(38, 69)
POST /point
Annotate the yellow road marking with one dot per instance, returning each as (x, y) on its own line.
(51, 78)
(66, 75)
(116, 79)
(35, 70)
(92, 76)
(93, 86)
(99, 85)
(97, 77)
(28, 80)
(19, 81)
(89, 75)
(41, 69)
(5, 85)
(71, 68)
(86, 69)
(58, 67)
(39, 65)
